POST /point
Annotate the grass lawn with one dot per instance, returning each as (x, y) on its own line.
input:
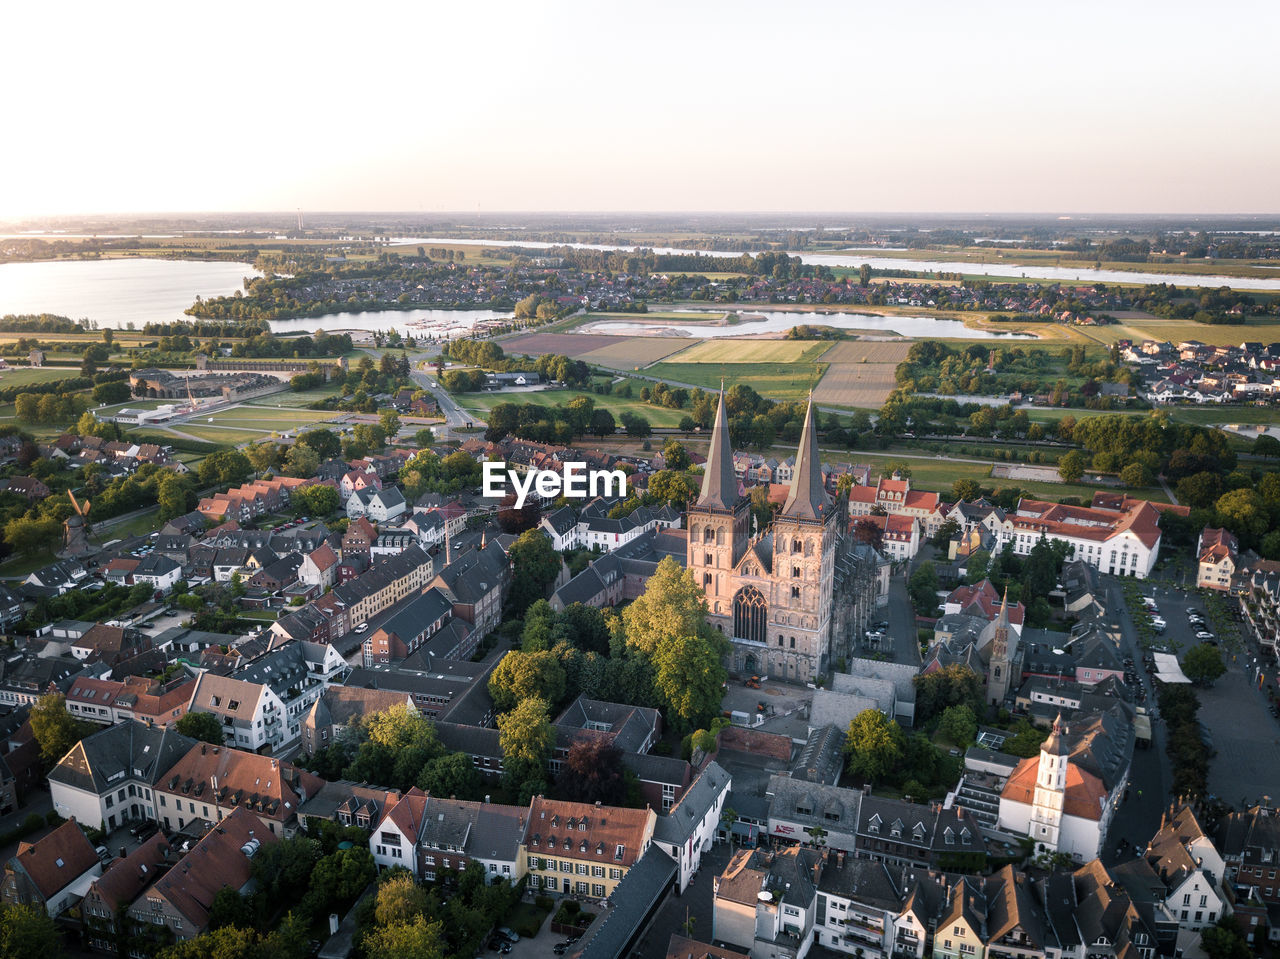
(19, 567)
(777, 381)
(1264, 328)
(227, 435)
(25, 375)
(656, 415)
(297, 400)
(138, 526)
(752, 351)
(268, 416)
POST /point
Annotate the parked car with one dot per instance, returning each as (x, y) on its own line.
(1204, 636)
(508, 934)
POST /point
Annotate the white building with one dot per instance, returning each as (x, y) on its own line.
(252, 715)
(108, 779)
(689, 828)
(379, 505)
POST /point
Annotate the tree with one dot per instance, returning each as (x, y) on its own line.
(1203, 664)
(265, 457)
(225, 467)
(1025, 741)
(418, 939)
(690, 678)
(56, 730)
(1224, 941)
(175, 495)
(952, 685)
(868, 531)
(864, 275)
(672, 604)
(399, 899)
(526, 739)
(964, 490)
(520, 675)
(229, 942)
(923, 587)
(602, 423)
(389, 420)
(1244, 513)
(959, 724)
(674, 455)
(117, 391)
(315, 500)
(424, 438)
(230, 909)
(202, 726)
(1136, 475)
(27, 932)
(593, 772)
(29, 535)
(874, 744)
(668, 486)
(453, 774)
(1071, 466)
(535, 564)
(326, 443)
(301, 461)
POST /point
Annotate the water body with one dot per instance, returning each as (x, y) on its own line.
(415, 323)
(1062, 274)
(115, 293)
(777, 321)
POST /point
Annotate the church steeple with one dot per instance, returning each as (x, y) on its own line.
(808, 497)
(719, 481)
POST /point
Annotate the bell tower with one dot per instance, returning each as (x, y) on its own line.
(718, 534)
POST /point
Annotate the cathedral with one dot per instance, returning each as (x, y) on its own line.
(771, 591)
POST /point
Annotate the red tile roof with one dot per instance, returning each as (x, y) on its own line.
(1085, 793)
(58, 859)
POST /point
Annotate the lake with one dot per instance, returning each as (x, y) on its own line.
(1061, 274)
(415, 323)
(115, 293)
(778, 321)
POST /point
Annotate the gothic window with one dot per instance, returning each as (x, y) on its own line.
(795, 592)
(795, 546)
(795, 572)
(708, 535)
(708, 559)
(719, 535)
(793, 642)
(750, 615)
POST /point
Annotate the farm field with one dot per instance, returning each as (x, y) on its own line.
(753, 351)
(297, 400)
(1264, 328)
(656, 415)
(218, 434)
(777, 381)
(857, 385)
(868, 351)
(614, 352)
(268, 416)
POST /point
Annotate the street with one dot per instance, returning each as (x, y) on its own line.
(455, 417)
(694, 907)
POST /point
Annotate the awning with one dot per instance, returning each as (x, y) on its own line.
(1168, 670)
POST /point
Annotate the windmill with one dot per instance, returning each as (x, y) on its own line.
(75, 529)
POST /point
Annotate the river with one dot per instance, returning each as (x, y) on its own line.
(1032, 272)
(779, 321)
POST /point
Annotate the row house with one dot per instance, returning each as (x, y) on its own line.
(427, 835)
(319, 567)
(52, 873)
(415, 622)
(357, 481)
(108, 701)
(177, 907)
(250, 499)
(896, 497)
(340, 707)
(391, 542)
(689, 828)
(476, 583)
(251, 713)
(208, 782)
(380, 505)
(347, 804)
(102, 919)
(561, 527)
(581, 849)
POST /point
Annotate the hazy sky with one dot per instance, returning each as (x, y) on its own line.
(1121, 106)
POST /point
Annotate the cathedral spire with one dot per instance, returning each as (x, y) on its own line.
(719, 481)
(808, 497)
(1003, 618)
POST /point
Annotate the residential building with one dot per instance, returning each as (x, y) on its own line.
(348, 804)
(379, 505)
(688, 829)
(406, 630)
(208, 781)
(582, 849)
(341, 706)
(108, 701)
(121, 883)
(179, 903)
(110, 777)
(252, 713)
(767, 902)
(858, 904)
(1218, 559)
(51, 873)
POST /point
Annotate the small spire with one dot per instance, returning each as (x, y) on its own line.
(719, 481)
(808, 497)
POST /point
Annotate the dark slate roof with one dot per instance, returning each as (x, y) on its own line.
(562, 520)
(630, 726)
(719, 481)
(639, 891)
(140, 751)
(808, 497)
(683, 818)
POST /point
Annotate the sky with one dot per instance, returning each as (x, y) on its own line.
(1127, 106)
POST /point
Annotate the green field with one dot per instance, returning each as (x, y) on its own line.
(265, 416)
(228, 435)
(297, 400)
(776, 381)
(26, 375)
(481, 403)
(751, 351)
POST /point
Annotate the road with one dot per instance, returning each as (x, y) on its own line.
(455, 417)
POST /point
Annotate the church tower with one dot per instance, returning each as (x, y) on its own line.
(1051, 787)
(1003, 647)
(804, 540)
(718, 533)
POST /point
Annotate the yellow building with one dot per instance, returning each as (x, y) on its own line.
(580, 849)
